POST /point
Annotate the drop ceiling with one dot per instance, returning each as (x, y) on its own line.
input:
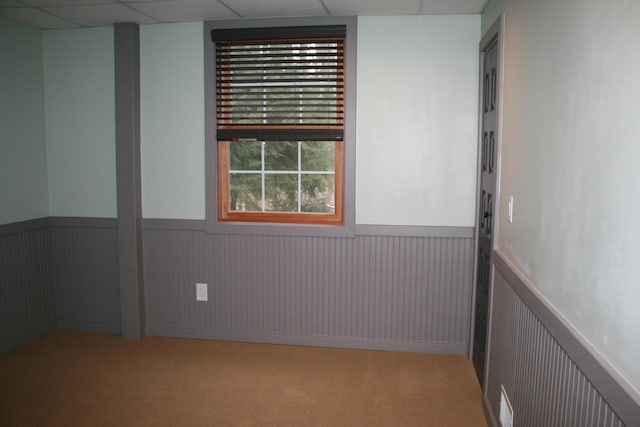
(54, 14)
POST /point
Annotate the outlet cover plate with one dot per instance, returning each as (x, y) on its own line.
(202, 292)
(506, 410)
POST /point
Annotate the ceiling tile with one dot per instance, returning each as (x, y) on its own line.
(37, 18)
(276, 8)
(452, 7)
(46, 3)
(178, 10)
(74, 13)
(101, 15)
(374, 7)
(10, 3)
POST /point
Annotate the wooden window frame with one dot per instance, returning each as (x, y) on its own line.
(225, 214)
(212, 224)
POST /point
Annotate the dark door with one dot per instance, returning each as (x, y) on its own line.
(486, 209)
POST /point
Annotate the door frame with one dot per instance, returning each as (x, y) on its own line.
(494, 34)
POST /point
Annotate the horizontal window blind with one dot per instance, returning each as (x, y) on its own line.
(280, 88)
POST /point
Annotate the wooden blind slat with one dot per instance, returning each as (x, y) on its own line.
(279, 84)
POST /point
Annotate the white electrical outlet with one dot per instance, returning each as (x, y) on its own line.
(201, 292)
(506, 410)
(510, 210)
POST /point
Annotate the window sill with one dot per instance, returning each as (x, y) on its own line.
(274, 229)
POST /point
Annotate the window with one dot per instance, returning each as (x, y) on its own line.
(280, 124)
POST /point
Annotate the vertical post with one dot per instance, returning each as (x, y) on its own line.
(127, 102)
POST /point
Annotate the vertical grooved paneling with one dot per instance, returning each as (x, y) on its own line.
(27, 301)
(85, 271)
(545, 386)
(367, 289)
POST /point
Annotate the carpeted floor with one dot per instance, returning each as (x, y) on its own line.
(74, 378)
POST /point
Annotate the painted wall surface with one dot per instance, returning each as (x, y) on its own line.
(23, 153)
(80, 121)
(430, 113)
(570, 160)
(172, 120)
(27, 296)
(417, 114)
(545, 386)
(381, 292)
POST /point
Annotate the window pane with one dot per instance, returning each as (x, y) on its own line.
(318, 193)
(281, 192)
(318, 156)
(281, 156)
(245, 155)
(245, 192)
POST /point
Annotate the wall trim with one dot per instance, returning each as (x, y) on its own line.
(311, 340)
(22, 226)
(361, 229)
(174, 224)
(126, 41)
(112, 328)
(57, 221)
(615, 390)
(488, 412)
(414, 231)
(83, 222)
(41, 331)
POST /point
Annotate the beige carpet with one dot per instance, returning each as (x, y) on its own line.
(74, 378)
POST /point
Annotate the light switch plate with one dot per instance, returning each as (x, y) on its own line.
(510, 210)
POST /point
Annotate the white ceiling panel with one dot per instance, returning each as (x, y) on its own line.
(10, 3)
(101, 15)
(374, 7)
(95, 13)
(37, 18)
(276, 8)
(45, 3)
(452, 7)
(181, 11)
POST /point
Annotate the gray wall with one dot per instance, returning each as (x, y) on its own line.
(85, 273)
(543, 383)
(551, 376)
(27, 303)
(57, 272)
(371, 291)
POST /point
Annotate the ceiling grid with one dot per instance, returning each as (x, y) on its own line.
(56, 14)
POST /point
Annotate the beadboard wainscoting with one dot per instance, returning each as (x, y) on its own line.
(27, 301)
(550, 375)
(85, 268)
(374, 291)
(57, 272)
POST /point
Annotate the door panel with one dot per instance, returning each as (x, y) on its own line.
(487, 206)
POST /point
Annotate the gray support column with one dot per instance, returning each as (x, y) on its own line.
(127, 94)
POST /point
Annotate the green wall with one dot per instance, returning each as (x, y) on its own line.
(416, 141)
(80, 125)
(23, 153)
(570, 161)
(417, 114)
(172, 120)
